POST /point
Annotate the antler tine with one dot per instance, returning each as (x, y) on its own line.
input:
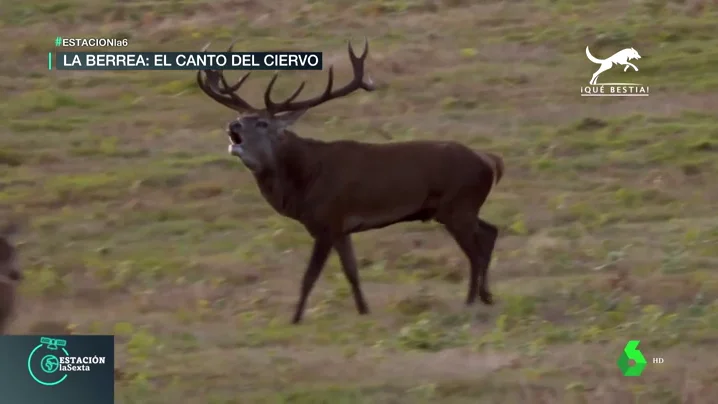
(227, 88)
(366, 48)
(273, 107)
(225, 95)
(232, 45)
(330, 82)
(359, 81)
(267, 93)
(358, 66)
(352, 55)
(237, 85)
(206, 87)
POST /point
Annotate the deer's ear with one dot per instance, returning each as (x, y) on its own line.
(290, 118)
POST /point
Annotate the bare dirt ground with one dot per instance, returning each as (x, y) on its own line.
(139, 224)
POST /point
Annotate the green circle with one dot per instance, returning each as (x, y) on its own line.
(49, 363)
(29, 368)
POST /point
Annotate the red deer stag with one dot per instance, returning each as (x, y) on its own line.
(10, 276)
(342, 187)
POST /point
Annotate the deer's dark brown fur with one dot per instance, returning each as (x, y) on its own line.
(10, 276)
(342, 187)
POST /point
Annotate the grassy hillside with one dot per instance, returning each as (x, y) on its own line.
(140, 224)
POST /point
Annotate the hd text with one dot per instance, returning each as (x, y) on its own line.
(188, 60)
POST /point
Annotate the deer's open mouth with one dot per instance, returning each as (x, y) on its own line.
(235, 146)
(234, 137)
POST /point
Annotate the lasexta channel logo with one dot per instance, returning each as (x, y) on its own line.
(632, 362)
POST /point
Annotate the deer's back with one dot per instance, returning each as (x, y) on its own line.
(375, 166)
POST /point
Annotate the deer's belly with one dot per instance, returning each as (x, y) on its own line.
(356, 223)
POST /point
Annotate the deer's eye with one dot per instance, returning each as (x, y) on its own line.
(261, 124)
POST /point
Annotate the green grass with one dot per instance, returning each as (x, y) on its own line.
(139, 224)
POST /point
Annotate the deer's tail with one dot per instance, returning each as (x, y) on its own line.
(497, 166)
(593, 58)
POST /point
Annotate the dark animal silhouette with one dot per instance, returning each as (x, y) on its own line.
(342, 187)
(10, 276)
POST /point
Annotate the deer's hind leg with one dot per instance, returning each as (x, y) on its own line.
(476, 238)
(345, 249)
(487, 235)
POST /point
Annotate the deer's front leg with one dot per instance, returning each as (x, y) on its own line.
(320, 253)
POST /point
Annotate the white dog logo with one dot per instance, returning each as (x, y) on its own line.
(619, 58)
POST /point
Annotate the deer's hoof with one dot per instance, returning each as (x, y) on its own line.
(486, 297)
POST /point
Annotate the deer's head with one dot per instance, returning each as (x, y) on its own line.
(256, 135)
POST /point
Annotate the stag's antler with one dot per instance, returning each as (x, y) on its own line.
(227, 94)
(356, 83)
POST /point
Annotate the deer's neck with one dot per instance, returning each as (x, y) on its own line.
(284, 186)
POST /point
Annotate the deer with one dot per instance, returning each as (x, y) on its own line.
(10, 276)
(342, 187)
